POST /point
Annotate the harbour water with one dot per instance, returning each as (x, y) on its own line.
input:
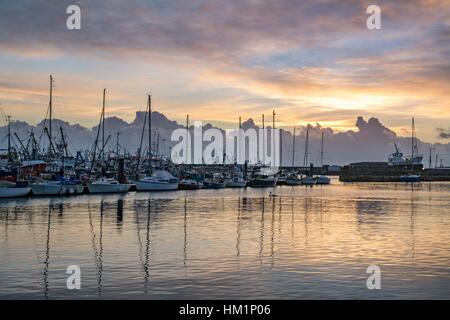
(304, 243)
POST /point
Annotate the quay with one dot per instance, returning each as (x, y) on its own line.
(383, 172)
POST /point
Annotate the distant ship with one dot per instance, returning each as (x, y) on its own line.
(397, 158)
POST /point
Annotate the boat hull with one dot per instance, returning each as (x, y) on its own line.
(293, 182)
(309, 182)
(42, 189)
(182, 186)
(409, 179)
(155, 186)
(108, 188)
(14, 192)
(236, 184)
(323, 180)
(212, 185)
(263, 183)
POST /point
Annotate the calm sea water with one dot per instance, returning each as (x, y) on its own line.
(231, 244)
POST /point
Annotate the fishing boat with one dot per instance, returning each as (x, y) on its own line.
(322, 180)
(410, 178)
(106, 185)
(160, 180)
(189, 184)
(263, 181)
(213, 184)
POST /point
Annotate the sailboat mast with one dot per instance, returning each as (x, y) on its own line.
(117, 144)
(305, 159)
(293, 148)
(272, 148)
(50, 107)
(103, 124)
(412, 142)
(149, 134)
(264, 142)
(187, 133)
(429, 164)
(321, 153)
(9, 138)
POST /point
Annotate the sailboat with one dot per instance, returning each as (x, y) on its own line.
(322, 179)
(105, 185)
(161, 180)
(309, 179)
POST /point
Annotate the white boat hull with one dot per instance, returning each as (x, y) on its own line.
(108, 188)
(14, 192)
(155, 186)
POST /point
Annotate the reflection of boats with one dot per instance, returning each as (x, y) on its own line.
(105, 185)
(236, 183)
(410, 178)
(189, 184)
(322, 180)
(160, 180)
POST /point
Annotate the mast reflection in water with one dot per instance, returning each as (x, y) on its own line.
(239, 244)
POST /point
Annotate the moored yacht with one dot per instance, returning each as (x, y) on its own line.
(105, 185)
(190, 184)
(160, 180)
(322, 180)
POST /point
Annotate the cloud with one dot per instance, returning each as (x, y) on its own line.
(306, 58)
(444, 133)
